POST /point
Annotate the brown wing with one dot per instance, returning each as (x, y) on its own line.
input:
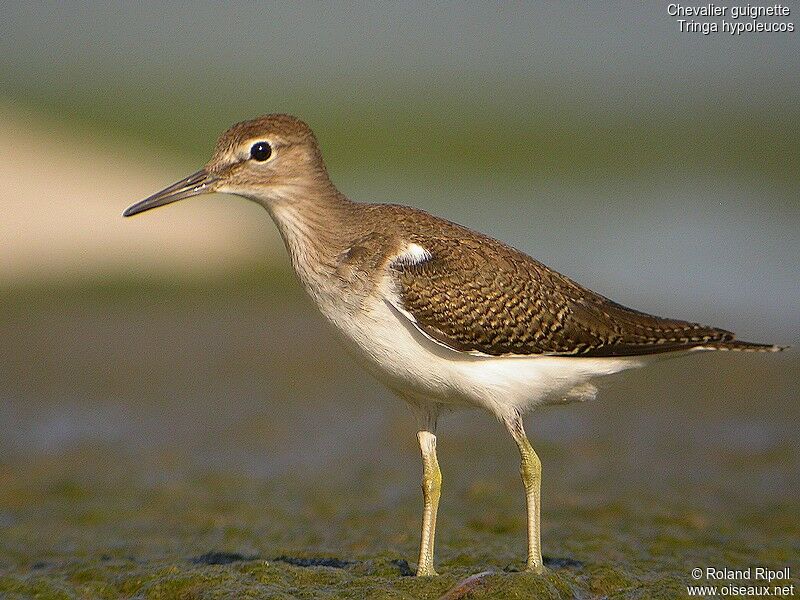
(478, 295)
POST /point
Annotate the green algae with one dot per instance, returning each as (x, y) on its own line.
(196, 541)
(182, 514)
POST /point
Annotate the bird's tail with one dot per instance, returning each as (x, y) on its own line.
(739, 346)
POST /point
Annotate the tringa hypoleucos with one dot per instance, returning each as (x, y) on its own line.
(443, 315)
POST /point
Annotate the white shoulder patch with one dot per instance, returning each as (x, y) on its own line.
(413, 254)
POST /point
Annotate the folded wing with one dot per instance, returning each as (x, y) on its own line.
(483, 297)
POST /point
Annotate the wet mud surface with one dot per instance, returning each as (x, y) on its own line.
(229, 449)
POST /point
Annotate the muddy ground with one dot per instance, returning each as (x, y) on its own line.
(201, 446)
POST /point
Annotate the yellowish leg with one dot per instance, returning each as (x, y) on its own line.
(531, 471)
(431, 490)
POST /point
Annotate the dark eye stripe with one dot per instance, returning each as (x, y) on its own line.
(261, 151)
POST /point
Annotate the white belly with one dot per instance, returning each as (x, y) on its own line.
(424, 371)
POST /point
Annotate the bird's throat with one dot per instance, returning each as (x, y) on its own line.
(313, 229)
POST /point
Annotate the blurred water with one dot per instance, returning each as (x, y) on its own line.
(706, 228)
(262, 389)
(599, 54)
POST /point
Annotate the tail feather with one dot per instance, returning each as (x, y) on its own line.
(739, 346)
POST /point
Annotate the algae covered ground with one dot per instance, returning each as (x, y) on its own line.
(222, 446)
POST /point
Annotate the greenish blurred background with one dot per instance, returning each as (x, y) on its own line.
(163, 378)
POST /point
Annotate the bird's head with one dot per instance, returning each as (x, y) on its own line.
(267, 160)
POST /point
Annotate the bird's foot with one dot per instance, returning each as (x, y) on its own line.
(426, 571)
(535, 567)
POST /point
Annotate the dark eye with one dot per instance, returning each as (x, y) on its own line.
(261, 151)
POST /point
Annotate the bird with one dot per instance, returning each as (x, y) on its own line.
(444, 316)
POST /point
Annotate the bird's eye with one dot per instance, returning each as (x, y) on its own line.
(261, 151)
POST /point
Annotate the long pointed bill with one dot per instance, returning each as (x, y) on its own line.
(194, 185)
